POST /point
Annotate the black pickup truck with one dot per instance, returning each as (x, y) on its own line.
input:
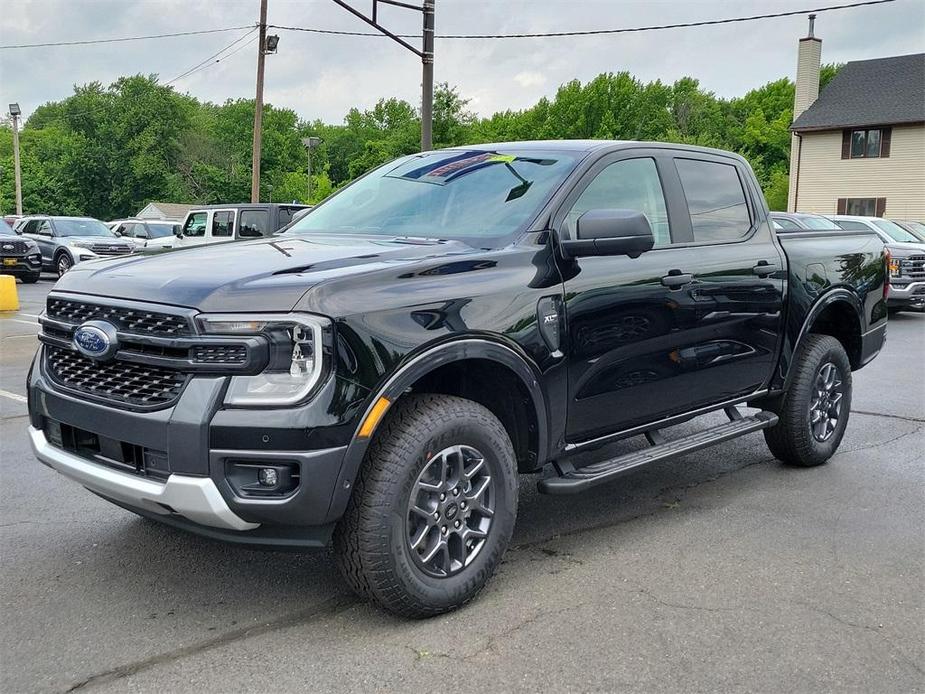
(378, 376)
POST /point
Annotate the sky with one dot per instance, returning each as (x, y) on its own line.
(323, 76)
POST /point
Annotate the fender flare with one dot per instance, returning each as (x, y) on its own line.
(826, 300)
(420, 365)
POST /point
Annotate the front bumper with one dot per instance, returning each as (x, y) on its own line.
(23, 265)
(195, 498)
(188, 449)
(909, 295)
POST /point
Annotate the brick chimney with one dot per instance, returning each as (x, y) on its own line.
(809, 58)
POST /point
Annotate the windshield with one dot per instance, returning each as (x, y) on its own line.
(465, 195)
(6, 229)
(895, 232)
(818, 223)
(159, 231)
(82, 227)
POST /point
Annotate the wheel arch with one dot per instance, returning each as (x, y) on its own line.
(837, 314)
(490, 367)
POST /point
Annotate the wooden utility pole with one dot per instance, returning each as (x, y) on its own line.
(258, 105)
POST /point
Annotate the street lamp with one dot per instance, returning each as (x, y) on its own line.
(310, 144)
(15, 113)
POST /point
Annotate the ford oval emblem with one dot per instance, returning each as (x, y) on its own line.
(96, 339)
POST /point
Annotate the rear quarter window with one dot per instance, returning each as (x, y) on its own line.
(715, 199)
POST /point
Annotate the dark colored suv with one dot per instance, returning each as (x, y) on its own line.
(18, 256)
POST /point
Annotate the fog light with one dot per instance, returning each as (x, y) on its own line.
(268, 477)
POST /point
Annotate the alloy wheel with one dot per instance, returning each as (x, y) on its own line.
(825, 402)
(450, 511)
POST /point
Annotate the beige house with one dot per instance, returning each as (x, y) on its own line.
(171, 211)
(859, 146)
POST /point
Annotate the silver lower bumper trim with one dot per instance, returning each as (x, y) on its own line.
(195, 498)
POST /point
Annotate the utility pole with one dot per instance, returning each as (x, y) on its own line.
(258, 105)
(427, 81)
(15, 113)
(426, 55)
(310, 143)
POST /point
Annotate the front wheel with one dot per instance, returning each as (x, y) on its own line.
(63, 264)
(814, 410)
(31, 279)
(433, 509)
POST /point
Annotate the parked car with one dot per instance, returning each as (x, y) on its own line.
(907, 265)
(800, 221)
(146, 233)
(222, 223)
(295, 218)
(917, 229)
(378, 375)
(18, 256)
(66, 241)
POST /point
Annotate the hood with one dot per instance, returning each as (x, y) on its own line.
(96, 240)
(260, 275)
(903, 250)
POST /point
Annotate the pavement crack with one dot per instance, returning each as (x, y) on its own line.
(888, 416)
(681, 606)
(327, 608)
(879, 443)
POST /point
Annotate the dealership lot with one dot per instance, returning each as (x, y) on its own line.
(722, 571)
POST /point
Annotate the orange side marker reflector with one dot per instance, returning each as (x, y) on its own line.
(373, 418)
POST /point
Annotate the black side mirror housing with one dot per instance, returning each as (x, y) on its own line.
(609, 232)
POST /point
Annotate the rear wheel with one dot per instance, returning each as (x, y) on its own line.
(433, 509)
(814, 410)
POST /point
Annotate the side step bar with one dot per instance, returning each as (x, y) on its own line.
(573, 480)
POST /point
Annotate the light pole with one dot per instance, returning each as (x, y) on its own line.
(15, 113)
(310, 144)
(265, 46)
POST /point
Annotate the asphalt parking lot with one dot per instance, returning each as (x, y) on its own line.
(722, 572)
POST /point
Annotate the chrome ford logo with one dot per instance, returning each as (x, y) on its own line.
(96, 339)
(8, 247)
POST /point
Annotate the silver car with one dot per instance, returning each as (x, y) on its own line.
(66, 241)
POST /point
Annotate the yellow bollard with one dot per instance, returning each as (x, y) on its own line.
(9, 299)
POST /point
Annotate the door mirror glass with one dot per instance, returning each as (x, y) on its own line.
(610, 232)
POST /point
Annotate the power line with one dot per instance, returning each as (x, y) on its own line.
(595, 32)
(126, 38)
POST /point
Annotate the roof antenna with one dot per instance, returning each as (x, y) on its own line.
(812, 22)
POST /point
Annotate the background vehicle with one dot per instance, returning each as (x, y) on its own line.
(146, 233)
(794, 221)
(379, 374)
(295, 218)
(907, 267)
(11, 219)
(66, 241)
(18, 256)
(220, 223)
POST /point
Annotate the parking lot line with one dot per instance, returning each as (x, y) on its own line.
(27, 322)
(13, 396)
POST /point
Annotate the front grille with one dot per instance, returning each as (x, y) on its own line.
(106, 249)
(138, 385)
(126, 319)
(913, 266)
(220, 354)
(14, 247)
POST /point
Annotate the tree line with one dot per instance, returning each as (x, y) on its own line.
(106, 151)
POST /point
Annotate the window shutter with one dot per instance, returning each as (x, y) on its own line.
(845, 144)
(842, 206)
(881, 207)
(886, 134)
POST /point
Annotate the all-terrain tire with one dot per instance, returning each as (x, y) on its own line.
(371, 541)
(792, 440)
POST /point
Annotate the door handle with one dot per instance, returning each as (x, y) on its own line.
(764, 268)
(675, 279)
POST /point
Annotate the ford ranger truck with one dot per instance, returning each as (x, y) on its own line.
(377, 377)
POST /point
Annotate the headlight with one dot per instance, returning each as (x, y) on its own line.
(297, 356)
(895, 264)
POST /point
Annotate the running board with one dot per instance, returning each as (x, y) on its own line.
(573, 480)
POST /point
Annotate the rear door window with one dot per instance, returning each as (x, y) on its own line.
(715, 199)
(195, 224)
(254, 224)
(223, 223)
(786, 224)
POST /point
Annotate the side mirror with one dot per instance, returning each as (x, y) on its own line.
(609, 232)
(178, 232)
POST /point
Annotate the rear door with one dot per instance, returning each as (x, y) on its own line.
(685, 325)
(223, 225)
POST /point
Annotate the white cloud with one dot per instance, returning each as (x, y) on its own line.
(529, 78)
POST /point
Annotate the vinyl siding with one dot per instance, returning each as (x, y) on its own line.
(900, 178)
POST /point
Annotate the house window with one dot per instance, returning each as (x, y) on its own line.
(862, 207)
(866, 143)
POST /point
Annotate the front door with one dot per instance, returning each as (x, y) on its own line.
(684, 325)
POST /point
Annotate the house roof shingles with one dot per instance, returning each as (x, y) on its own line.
(884, 91)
